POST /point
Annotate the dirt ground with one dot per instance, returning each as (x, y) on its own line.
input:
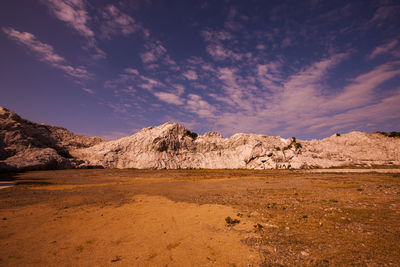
(179, 218)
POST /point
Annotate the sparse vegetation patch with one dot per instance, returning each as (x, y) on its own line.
(193, 135)
(391, 134)
(230, 222)
(292, 144)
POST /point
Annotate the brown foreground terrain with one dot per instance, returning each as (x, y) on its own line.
(179, 218)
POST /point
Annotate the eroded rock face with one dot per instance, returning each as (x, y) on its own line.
(172, 146)
(25, 145)
(28, 145)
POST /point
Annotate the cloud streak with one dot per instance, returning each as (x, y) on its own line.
(384, 49)
(46, 53)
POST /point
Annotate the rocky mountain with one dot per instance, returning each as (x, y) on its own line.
(172, 146)
(28, 145)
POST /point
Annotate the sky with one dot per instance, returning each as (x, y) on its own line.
(308, 69)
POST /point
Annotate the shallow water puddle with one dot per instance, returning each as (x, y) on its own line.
(6, 184)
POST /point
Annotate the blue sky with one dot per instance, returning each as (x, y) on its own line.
(291, 68)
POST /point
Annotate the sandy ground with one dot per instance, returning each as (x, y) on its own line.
(149, 231)
(352, 170)
(177, 218)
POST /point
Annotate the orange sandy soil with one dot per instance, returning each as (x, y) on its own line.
(177, 218)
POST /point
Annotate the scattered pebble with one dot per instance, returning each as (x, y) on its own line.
(118, 258)
(304, 253)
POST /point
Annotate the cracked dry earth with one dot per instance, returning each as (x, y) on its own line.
(177, 218)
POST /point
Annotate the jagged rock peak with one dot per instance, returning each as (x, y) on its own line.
(167, 129)
(6, 113)
(161, 128)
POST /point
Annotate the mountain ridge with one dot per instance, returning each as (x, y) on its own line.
(28, 145)
(169, 146)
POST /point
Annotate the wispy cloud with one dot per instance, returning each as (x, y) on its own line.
(46, 53)
(219, 52)
(385, 48)
(72, 12)
(190, 75)
(116, 22)
(270, 76)
(131, 79)
(88, 90)
(305, 87)
(155, 55)
(75, 15)
(154, 51)
(373, 115)
(361, 90)
(169, 98)
(218, 43)
(384, 12)
(231, 22)
(112, 22)
(199, 106)
(212, 35)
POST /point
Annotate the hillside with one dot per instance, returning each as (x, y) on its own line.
(29, 145)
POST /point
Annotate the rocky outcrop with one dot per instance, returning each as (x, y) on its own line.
(172, 146)
(25, 145)
(28, 145)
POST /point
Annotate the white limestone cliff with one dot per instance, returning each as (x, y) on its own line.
(172, 146)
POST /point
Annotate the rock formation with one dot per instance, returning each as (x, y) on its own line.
(28, 145)
(172, 146)
(25, 145)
